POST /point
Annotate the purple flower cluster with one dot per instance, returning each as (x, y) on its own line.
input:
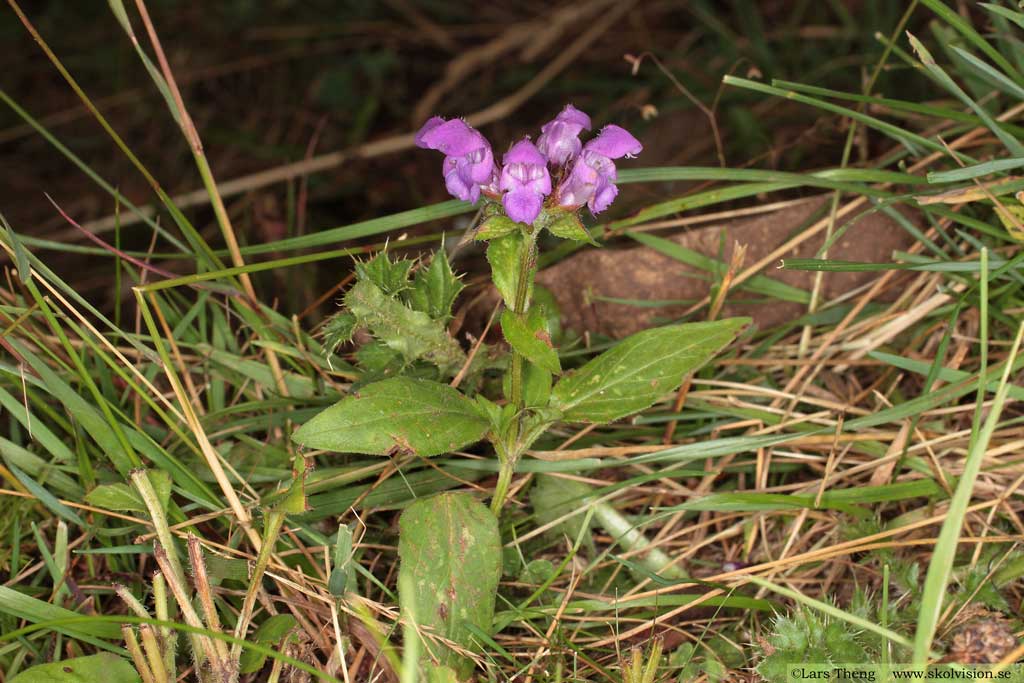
(523, 183)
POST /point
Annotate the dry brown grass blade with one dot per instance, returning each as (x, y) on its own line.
(555, 622)
(966, 195)
(213, 459)
(773, 258)
(119, 353)
(223, 219)
(839, 549)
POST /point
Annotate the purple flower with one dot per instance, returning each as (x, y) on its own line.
(525, 181)
(592, 179)
(614, 142)
(468, 162)
(559, 138)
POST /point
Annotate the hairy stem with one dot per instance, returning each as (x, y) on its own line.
(154, 655)
(272, 528)
(140, 478)
(509, 453)
(138, 658)
(519, 306)
(202, 586)
(160, 605)
(202, 649)
(508, 460)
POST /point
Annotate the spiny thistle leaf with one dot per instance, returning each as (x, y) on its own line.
(338, 330)
(412, 333)
(390, 277)
(435, 288)
(807, 637)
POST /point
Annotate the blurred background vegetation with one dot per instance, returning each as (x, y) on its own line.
(276, 82)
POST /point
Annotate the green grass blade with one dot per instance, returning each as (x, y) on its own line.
(374, 226)
(950, 16)
(987, 73)
(912, 141)
(34, 610)
(976, 171)
(46, 498)
(920, 367)
(940, 567)
(832, 265)
(937, 72)
(759, 284)
(92, 175)
(931, 110)
(1005, 12)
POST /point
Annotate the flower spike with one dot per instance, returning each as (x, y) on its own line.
(524, 181)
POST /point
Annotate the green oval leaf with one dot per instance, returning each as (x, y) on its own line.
(105, 667)
(495, 227)
(639, 370)
(450, 552)
(398, 414)
(536, 386)
(528, 337)
(272, 631)
(569, 226)
(505, 256)
(120, 497)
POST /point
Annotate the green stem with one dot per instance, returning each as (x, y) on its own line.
(516, 379)
(508, 460)
(629, 537)
(138, 658)
(163, 614)
(527, 261)
(509, 452)
(519, 306)
(272, 529)
(143, 485)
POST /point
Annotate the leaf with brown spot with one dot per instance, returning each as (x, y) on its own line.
(450, 552)
(105, 666)
(526, 334)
